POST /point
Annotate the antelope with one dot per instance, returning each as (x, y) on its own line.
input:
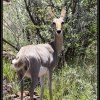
(37, 61)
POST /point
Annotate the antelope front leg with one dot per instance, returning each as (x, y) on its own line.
(50, 83)
(42, 87)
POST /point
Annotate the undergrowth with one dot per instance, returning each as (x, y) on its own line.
(69, 83)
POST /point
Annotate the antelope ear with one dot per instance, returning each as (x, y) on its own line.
(63, 12)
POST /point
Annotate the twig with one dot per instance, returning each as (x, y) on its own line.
(74, 6)
(11, 44)
(33, 20)
(7, 26)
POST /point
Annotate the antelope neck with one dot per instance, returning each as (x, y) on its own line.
(58, 42)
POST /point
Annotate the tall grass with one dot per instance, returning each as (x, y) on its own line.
(69, 83)
(10, 76)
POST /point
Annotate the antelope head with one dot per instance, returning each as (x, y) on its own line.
(58, 22)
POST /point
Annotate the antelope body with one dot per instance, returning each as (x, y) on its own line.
(41, 53)
(38, 60)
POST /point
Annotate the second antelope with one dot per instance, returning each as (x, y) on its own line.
(35, 61)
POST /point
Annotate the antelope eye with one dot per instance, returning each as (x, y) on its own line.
(62, 23)
(53, 23)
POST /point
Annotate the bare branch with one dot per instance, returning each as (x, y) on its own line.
(38, 33)
(8, 26)
(6, 0)
(30, 15)
(33, 20)
(74, 2)
(16, 48)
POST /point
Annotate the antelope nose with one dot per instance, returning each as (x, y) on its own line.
(58, 31)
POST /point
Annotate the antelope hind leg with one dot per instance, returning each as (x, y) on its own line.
(20, 76)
